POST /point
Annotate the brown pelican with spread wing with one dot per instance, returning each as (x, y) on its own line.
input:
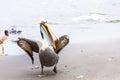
(48, 57)
(30, 46)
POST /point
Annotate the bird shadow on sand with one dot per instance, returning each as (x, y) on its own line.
(35, 74)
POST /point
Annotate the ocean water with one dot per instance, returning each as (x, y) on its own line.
(27, 13)
(83, 21)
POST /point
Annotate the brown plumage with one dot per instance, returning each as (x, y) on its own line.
(47, 57)
(29, 46)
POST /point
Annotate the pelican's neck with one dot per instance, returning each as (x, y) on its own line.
(44, 44)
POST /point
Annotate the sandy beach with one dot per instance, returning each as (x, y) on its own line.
(85, 61)
(92, 25)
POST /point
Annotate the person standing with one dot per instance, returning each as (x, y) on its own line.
(3, 39)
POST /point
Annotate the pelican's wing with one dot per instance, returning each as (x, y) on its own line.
(28, 46)
(61, 43)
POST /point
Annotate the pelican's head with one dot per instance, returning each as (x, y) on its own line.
(41, 20)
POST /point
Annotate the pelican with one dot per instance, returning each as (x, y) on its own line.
(48, 49)
(30, 46)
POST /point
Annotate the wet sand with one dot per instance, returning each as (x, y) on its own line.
(97, 60)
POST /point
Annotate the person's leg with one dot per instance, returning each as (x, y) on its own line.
(2, 49)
